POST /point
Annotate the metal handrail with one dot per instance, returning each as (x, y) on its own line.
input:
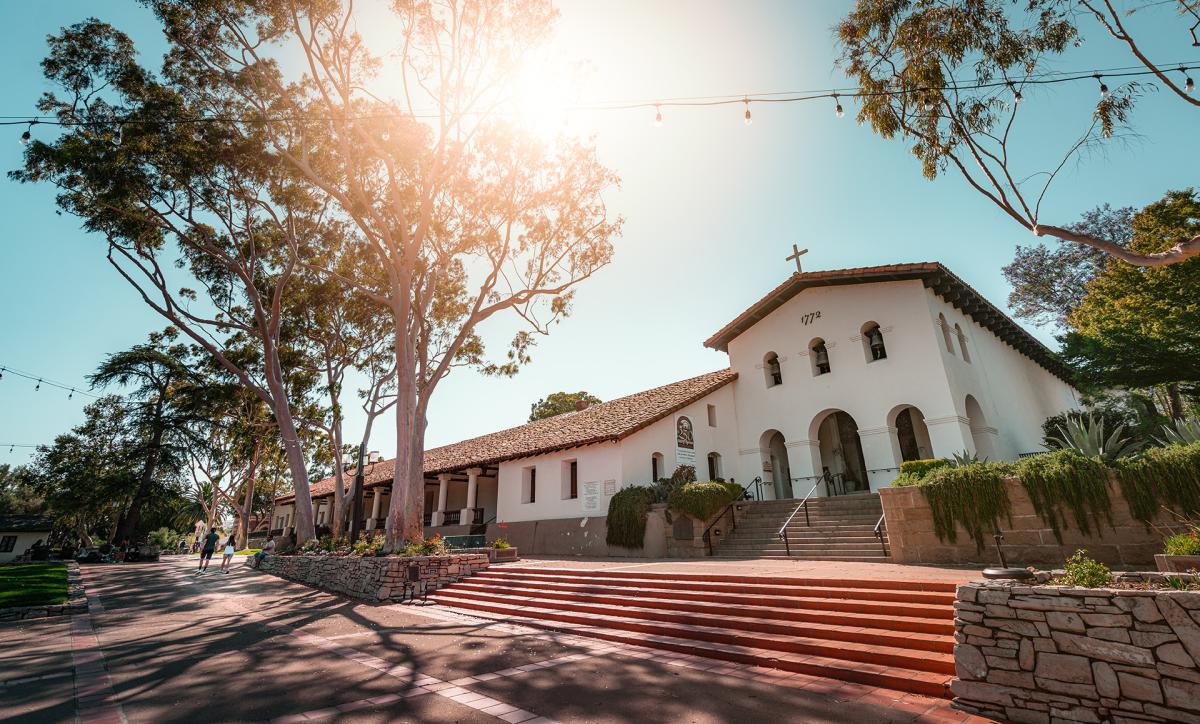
(706, 536)
(879, 534)
(803, 504)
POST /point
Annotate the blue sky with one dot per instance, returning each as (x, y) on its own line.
(711, 206)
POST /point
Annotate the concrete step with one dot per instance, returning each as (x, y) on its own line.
(888, 633)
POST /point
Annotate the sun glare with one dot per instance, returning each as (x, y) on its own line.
(543, 96)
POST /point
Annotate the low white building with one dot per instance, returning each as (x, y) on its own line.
(18, 533)
(835, 378)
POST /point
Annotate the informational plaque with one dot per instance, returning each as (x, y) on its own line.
(591, 497)
(610, 487)
(685, 441)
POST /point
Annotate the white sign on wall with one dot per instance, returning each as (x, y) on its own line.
(685, 441)
(591, 497)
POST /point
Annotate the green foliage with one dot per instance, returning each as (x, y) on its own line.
(972, 496)
(1183, 544)
(1162, 476)
(965, 457)
(684, 474)
(703, 500)
(369, 545)
(165, 538)
(1067, 478)
(435, 546)
(1180, 432)
(556, 403)
(627, 516)
(1083, 572)
(1087, 436)
(920, 468)
(501, 543)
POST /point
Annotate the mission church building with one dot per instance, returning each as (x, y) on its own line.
(835, 377)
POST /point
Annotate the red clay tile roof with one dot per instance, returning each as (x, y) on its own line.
(612, 420)
(941, 280)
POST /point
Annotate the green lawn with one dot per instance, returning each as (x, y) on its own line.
(33, 584)
(248, 551)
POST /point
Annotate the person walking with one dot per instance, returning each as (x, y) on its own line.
(227, 560)
(206, 552)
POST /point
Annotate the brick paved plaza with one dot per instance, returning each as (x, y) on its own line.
(160, 645)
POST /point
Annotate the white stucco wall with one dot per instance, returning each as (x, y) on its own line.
(659, 437)
(23, 543)
(596, 464)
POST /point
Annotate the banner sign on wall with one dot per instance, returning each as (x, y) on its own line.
(685, 441)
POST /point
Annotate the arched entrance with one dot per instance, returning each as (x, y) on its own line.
(911, 434)
(981, 434)
(841, 454)
(775, 457)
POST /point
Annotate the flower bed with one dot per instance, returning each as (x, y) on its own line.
(382, 579)
(1041, 653)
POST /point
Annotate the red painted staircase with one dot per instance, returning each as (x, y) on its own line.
(893, 634)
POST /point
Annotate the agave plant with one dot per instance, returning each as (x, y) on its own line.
(1086, 436)
(1180, 432)
(964, 458)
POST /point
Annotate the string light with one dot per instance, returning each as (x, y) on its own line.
(1017, 97)
(838, 110)
(38, 387)
(658, 116)
(27, 136)
(40, 380)
(657, 105)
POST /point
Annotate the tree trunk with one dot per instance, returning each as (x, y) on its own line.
(305, 528)
(248, 503)
(1174, 401)
(404, 511)
(133, 515)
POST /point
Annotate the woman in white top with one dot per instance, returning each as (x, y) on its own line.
(229, 549)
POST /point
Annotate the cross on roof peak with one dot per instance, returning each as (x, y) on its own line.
(797, 252)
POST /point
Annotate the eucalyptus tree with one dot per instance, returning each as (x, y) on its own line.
(197, 215)
(463, 214)
(913, 60)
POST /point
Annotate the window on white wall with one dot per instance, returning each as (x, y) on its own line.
(872, 339)
(712, 415)
(819, 354)
(529, 485)
(7, 543)
(570, 480)
(962, 343)
(946, 333)
(772, 370)
(656, 467)
(714, 466)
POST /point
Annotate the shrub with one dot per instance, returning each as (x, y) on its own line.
(627, 516)
(1180, 432)
(1066, 477)
(1183, 544)
(500, 543)
(918, 469)
(973, 496)
(435, 546)
(1164, 475)
(368, 546)
(703, 500)
(684, 474)
(1083, 572)
(165, 538)
(1088, 436)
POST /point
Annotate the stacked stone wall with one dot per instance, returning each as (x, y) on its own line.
(1050, 654)
(376, 580)
(1027, 539)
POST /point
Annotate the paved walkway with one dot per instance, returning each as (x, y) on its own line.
(161, 645)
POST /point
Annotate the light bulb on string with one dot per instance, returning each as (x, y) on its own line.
(38, 386)
(117, 139)
(749, 120)
(657, 116)
(838, 110)
(1189, 85)
(27, 136)
(1103, 86)
(71, 393)
(1017, 97)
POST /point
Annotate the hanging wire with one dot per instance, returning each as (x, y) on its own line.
(71, 390)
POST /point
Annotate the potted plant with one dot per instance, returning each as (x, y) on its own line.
(1181, 552)
(502, 551)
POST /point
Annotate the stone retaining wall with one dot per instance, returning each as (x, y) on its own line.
(1048, 654)
(377, 580)
(76, 601)
(1027, 539)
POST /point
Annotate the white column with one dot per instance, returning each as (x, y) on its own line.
(443, 488)
(466, 517)
(804, 458)
(375, 498)
(881, 453)
(949, 434)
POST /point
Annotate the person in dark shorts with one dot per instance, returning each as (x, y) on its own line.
(206, 552)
